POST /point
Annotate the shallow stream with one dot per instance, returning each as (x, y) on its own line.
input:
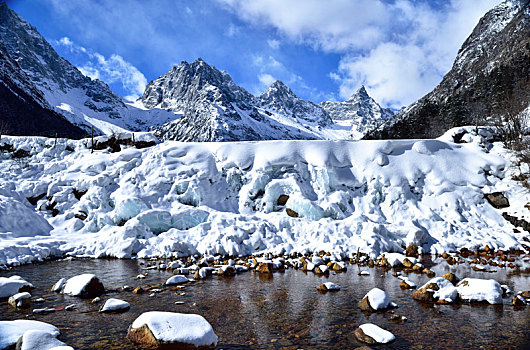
(251, 311)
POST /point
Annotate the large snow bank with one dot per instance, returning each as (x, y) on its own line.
(174, 327)
(176, 199)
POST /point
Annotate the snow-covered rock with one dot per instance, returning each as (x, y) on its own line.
(12, 285)
(20, 300)
(17, 220)
(480, 290)
(86, 286)
(41, 340)
(371, 334)
(58, 286)
(177, 279)
(11, 331)
(436, 289)
(376, 299)
(155, 327)
(113, 305)
(328, 286)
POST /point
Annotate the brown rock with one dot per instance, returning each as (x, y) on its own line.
(397, 318)
(451, 277)
(338, 267)
(228, 271)
(363, 348)
(364, 305)
(145, 338)
(20, 303)
(407, 263)
(291, 213)
(138, 290)
(405, 285)
(412, 251)
(525, 294)
(362, 337)
(416, 268)
(518, 301)
(282, 199)
(424, 295)
(497, 200)
(322, 288)
(265, 267)
(430, 273)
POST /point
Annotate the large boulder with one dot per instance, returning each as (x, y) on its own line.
(84, 286)
(169, 330)
(12, 285)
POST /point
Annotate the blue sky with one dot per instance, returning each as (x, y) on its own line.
(324, 50)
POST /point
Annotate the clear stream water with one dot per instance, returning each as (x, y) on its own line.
(250, 311)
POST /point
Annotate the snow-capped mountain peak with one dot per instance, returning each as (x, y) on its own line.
(360, 111)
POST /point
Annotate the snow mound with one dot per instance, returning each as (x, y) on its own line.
(480, 290)
(11, 331)
(379, 334)
(175, 327)
(11, 285)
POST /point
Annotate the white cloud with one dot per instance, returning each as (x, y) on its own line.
(274, 44)
(399, 49)
(233, 30)
(110, 70)
(266, 79)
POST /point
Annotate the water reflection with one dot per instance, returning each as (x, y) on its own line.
(282, 311)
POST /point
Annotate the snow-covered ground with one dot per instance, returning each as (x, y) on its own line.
(176, 199)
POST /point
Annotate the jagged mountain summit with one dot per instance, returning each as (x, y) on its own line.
(279, 98)
(24, 111)
(489, 80)
(360, 111)
(214, 108)
(82, 100)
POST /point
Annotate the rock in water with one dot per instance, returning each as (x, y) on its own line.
(374, 300)
(58, 286)
(371, 334)
(13, 285)
(42, 340)
(177, 279)
(328, 286)
(480, 290)
(115, 305)
(160, 330)
(84, 286)
(11, 331)
(20, 300)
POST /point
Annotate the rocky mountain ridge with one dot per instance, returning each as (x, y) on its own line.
(489, 80)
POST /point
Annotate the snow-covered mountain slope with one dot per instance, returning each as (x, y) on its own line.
(488, 81)
(177, 198)
(23, 109)
(360, 112)
(279, 98)
(214, 108)
(63, 86)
